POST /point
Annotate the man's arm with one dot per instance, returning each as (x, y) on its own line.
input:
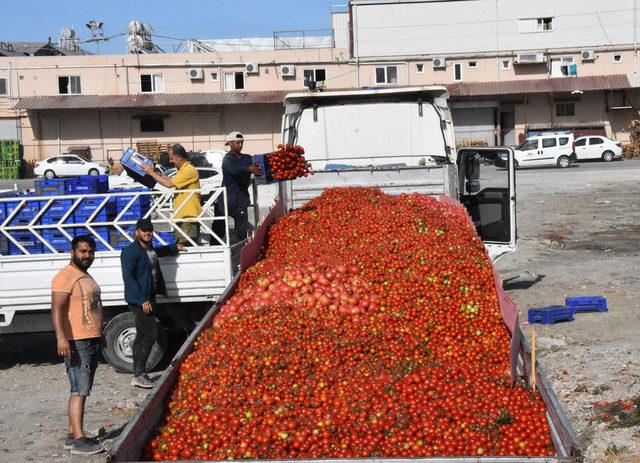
(169, 250)
(235, 169)
(59, 308)
(164, 181)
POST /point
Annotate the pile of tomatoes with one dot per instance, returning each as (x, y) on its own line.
(371, 328)
(288, 163)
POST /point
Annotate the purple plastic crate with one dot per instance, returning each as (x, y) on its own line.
(550, 315)
(586, 303)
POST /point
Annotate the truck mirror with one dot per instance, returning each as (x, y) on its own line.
(473, 186)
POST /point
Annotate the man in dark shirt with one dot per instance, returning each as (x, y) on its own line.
(236, 178)
(143, 280)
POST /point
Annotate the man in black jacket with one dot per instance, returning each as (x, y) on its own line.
(237, 168)
(143, 280)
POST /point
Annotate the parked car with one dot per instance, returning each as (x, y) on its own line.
(598, 147)
(68, 165)
(214, 157)
(554, 149)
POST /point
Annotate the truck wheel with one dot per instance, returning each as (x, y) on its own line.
(119, 335)
(607, 156)
(564, 162)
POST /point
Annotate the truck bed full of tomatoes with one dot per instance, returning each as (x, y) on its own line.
(370, 328)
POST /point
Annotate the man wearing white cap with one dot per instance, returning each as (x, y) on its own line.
(236, 178)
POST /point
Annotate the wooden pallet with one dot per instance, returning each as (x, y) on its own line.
(152, 149)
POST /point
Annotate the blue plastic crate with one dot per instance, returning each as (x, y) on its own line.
(132, 215)
(550, 315)
(168, 237)
(134, 160)
(117, 240)
(28, 240)
(266, 178)
(57, 208)
(57, 239)
(53, 187)
(142, 201)
(88, 205)
(89, 184)
(102, 231)
(27, 211)
(586, 303)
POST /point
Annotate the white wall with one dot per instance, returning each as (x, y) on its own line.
(478, 26)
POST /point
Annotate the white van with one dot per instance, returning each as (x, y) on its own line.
(552, 149)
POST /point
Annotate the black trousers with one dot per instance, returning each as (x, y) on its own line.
(146, 336)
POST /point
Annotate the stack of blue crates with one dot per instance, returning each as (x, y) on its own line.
(25, 215)
(168, 237)
(573, 304)
(138, 209)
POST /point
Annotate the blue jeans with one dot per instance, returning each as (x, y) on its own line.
(81, 365)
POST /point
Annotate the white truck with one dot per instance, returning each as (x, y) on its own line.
(195, 278)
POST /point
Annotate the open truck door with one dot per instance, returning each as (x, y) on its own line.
(487, 188)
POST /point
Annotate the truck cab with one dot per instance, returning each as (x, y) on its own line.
(400, 140)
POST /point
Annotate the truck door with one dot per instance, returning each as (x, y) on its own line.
(487, 188)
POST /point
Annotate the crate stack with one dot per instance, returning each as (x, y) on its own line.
(89, 215)
(9, 159)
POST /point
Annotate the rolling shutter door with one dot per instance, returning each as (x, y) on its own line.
(474, 124)
(8, 129)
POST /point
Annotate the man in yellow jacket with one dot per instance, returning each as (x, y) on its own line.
(185, 205)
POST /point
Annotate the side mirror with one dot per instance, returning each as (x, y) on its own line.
(473, 186)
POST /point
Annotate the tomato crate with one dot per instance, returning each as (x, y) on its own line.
(57, 239)
(266, 178)
(102, 231)
(27, 240)
(586, 303)
(117, 240)
(167, 236)
(134, 161)
(89, 184)
(27, 210)
(53, 187)
(56, 208)
(550, 315)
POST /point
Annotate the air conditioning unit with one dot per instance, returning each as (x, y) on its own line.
(288, 70)
(530, 58)
(196, 73)
(588, 55)
(439, 63)
(251, 68)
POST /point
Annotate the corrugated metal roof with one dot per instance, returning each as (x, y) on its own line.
(148, 100)
(555, 85)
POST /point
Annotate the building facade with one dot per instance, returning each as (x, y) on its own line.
(511, 68)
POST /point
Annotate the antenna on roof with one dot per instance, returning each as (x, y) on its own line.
(97, 34)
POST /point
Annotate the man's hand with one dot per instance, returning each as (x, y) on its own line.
(255, 169)
(180, 247)
(148, 168)
(147, 307)
(64, 348)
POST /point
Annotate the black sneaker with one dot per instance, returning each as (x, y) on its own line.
(68, 441)
(85, 446)
(142, 381)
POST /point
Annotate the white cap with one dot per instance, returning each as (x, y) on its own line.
(234, 136)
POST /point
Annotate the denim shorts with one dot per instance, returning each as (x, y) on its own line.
(81, 365)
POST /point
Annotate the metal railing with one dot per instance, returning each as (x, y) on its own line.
(160, 212)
